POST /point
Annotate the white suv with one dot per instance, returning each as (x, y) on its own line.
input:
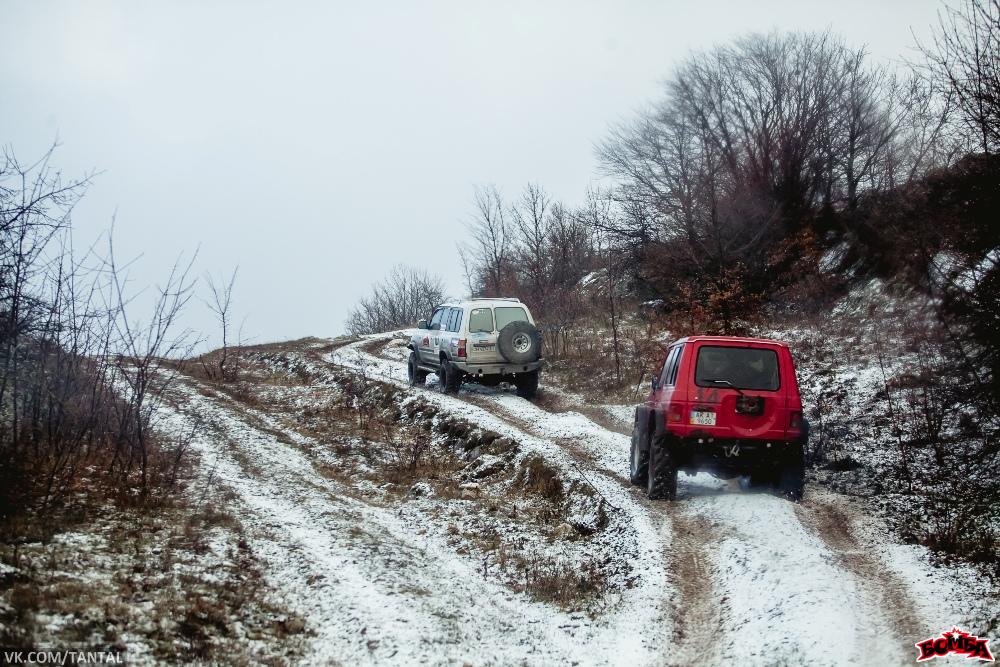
(484, 340)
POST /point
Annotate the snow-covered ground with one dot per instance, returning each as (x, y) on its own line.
(720, 576)
(376, 588)
(784, 589)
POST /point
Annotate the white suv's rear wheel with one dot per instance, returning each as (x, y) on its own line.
(414, 375)
(450, 377)
(526, 384)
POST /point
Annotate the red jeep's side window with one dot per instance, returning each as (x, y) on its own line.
(676, 367)
(668, 376)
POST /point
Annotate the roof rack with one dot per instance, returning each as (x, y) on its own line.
(495, 298)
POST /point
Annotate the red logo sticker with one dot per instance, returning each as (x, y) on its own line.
(955, 642)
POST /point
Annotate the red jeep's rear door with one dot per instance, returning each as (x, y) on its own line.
(738, 391)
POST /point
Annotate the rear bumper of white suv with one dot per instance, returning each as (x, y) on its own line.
(473, 368)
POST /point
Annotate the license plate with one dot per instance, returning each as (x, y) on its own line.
(702, 418)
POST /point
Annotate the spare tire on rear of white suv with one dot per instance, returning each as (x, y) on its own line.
(520, 342)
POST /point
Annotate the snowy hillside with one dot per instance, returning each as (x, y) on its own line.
(517, 538)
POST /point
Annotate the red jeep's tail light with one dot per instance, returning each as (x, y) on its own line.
(675, 415)
(461, 347)
(795, 421)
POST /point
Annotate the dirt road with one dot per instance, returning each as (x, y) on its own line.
(719, 575)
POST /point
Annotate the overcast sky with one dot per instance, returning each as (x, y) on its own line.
(316, 144)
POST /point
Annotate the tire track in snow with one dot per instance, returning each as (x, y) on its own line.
(552, 402)
(684, 541)
(759, 579)
(785, 597)
(373, 592)
(641, 606)
(885, 592)
(315, 543)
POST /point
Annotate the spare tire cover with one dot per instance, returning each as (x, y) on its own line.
(520, 342)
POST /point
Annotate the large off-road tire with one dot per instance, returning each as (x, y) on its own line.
(414, 375)
(526, 384)
(661, 479)
(763, 479)
(638, 460)
(792, 475)
(520, 342)
(450, 378)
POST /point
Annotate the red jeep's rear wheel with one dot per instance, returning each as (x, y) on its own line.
(638, 460)
(661, 481)
(791, 477)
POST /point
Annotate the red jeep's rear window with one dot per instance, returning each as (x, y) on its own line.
(739, 367)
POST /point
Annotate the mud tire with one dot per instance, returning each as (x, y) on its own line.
(661, 480)
(791, 477)
(414, 375)
(638, 460)
(450, 378)
(526, 384)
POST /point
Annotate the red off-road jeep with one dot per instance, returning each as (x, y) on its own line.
(729, 406)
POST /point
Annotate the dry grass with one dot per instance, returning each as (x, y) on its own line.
(371, 435)
(526, 569)
(585, 363)
(538, 477)
(182, 581)
(355, 417)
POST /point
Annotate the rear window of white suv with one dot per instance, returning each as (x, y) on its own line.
(507, 314)
(480, 320)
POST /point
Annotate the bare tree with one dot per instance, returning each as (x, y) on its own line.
(754, 134)
(923, 114)
(599, 213)
(79, 380)
(220, 304)
(570, 254)
(490, 253)
(534, 249)
(964, 59)
(531, 221)
(35, 207)
(754, 151)
(400, 299)
(147, 355)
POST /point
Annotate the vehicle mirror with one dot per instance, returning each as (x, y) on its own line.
(654, 382)
(421, 324)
